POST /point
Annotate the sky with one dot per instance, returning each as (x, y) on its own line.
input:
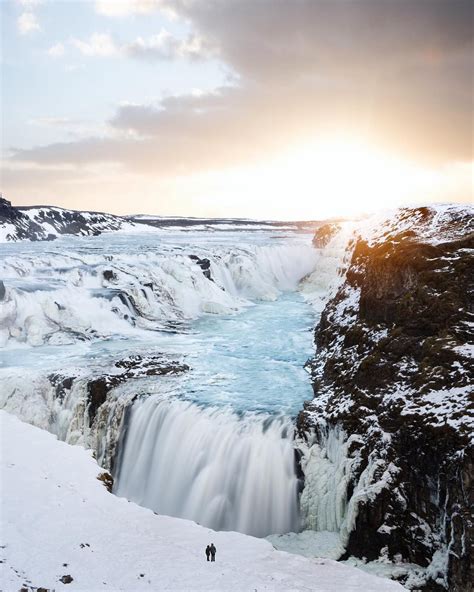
(282, 109)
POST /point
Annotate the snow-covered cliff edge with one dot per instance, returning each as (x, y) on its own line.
(392, 414)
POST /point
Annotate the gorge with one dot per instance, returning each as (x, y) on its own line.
(178, 357)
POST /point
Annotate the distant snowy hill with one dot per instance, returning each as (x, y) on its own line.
(170, 222)
(37, 223)
(60, 526)
(47, 222)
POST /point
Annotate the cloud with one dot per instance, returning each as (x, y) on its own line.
(163, 46)
(74, 128)
(98, 44)
(56, 51)
(27, 23)
(398, 74)
(124, 8)
(329, 38)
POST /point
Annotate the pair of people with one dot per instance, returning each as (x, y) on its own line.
(211, 552)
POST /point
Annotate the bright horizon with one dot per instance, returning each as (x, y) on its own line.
(307, 110)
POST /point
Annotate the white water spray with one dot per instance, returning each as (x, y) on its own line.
(209, 466)
(60, 298)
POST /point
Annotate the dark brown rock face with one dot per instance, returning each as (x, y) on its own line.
(134, 366)
(324, 234)
(204, 264)
(107, 480)
(393, 367)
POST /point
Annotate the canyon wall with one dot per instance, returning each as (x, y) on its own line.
(393, 371)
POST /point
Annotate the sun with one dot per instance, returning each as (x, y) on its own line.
(336, 176)
(325, 177)
(346, 176)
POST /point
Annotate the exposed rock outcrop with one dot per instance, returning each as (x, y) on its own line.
(204, 264)
(48, 222)
(107, 479)
(394, 369)
(324, 234)
(135, 366)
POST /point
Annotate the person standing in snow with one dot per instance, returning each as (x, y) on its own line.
(208, 552)
(213, 552)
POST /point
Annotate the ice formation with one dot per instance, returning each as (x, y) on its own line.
(61, 297)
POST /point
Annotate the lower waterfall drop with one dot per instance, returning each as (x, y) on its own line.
(211, 466)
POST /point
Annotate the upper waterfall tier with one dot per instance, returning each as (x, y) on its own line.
(128, 285)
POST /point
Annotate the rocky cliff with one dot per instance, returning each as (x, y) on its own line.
(393, 372)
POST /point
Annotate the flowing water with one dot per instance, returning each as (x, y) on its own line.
(215, 444)
(221, 450)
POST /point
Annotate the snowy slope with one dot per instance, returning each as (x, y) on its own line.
(59, 520)
(47, 223)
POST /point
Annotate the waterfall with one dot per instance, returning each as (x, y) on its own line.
(211, 466)
(225, 456)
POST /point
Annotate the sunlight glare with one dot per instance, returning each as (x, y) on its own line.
(346, 176)
(329, 177)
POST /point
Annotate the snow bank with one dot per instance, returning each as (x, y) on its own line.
(58, 520)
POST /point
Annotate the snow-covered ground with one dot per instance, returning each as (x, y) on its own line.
(59, 520)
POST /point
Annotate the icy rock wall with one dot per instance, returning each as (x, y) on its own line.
(326, 467)
(393, 367)
(333, 253)
(64, 410)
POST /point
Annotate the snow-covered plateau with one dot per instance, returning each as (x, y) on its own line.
(181, 353)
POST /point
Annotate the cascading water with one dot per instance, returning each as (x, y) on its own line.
(128, 287)
(211, 466)
(214, 445)
(219, 448)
